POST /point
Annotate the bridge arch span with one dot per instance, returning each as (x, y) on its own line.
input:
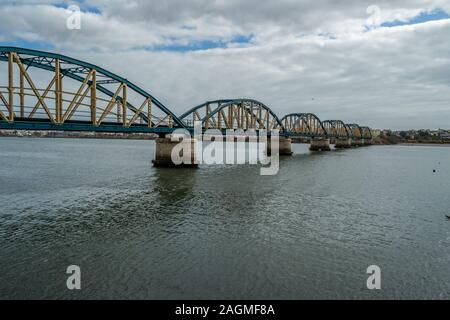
(354, 130)
(366, 133)
(336, 129)
(99, 96)
(233, 114)
(304, 125)
(197, 113)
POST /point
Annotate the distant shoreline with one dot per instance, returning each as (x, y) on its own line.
(152, 136)
(394, 140)
(77, 135)
(442, 144)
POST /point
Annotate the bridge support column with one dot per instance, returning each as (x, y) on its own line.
(357, 142)
(320, 145)
(343, 143)
(284, 146)
(165, 146)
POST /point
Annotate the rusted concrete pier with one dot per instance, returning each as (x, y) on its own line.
(164, 147)
(320, 145)
(343, 143)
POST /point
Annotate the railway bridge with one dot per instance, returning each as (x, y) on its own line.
(48, 91)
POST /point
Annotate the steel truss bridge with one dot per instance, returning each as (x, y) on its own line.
(47, 91)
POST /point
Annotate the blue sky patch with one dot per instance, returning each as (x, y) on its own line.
(84, 7)
(421, 18)
(203, 44)
(36, 45)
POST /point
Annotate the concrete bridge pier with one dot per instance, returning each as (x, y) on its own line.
(320, 145)
(343, 143)
(357, 142)
(186, 150)
(284, 146)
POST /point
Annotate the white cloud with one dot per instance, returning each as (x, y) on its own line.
(388, 77)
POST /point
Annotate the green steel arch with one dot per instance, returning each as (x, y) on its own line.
(304, 124)
(44, 60)
(251, 106)
(336, 129)
(355, 130)
(366, 133)
(202, 106)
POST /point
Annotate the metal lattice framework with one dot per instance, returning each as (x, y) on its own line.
(46, 91)
(233, 114)
(69, 94)
(304, 125)
(199, 112)
(336, 129)
(366, 133)
(354, 130)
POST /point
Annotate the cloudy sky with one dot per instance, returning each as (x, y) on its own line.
(385, 64)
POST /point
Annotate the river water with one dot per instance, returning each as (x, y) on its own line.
(222, 232)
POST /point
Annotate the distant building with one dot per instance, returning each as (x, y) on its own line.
(445, 136)
(376, 132)
(435, 133)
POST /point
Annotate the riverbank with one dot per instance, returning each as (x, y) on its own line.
(418, 144)
(381, 140)
(394, 140)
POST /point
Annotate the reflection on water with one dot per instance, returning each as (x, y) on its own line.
(221, 231)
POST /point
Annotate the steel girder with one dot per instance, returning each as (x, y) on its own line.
(46, 61)
(304, 125)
